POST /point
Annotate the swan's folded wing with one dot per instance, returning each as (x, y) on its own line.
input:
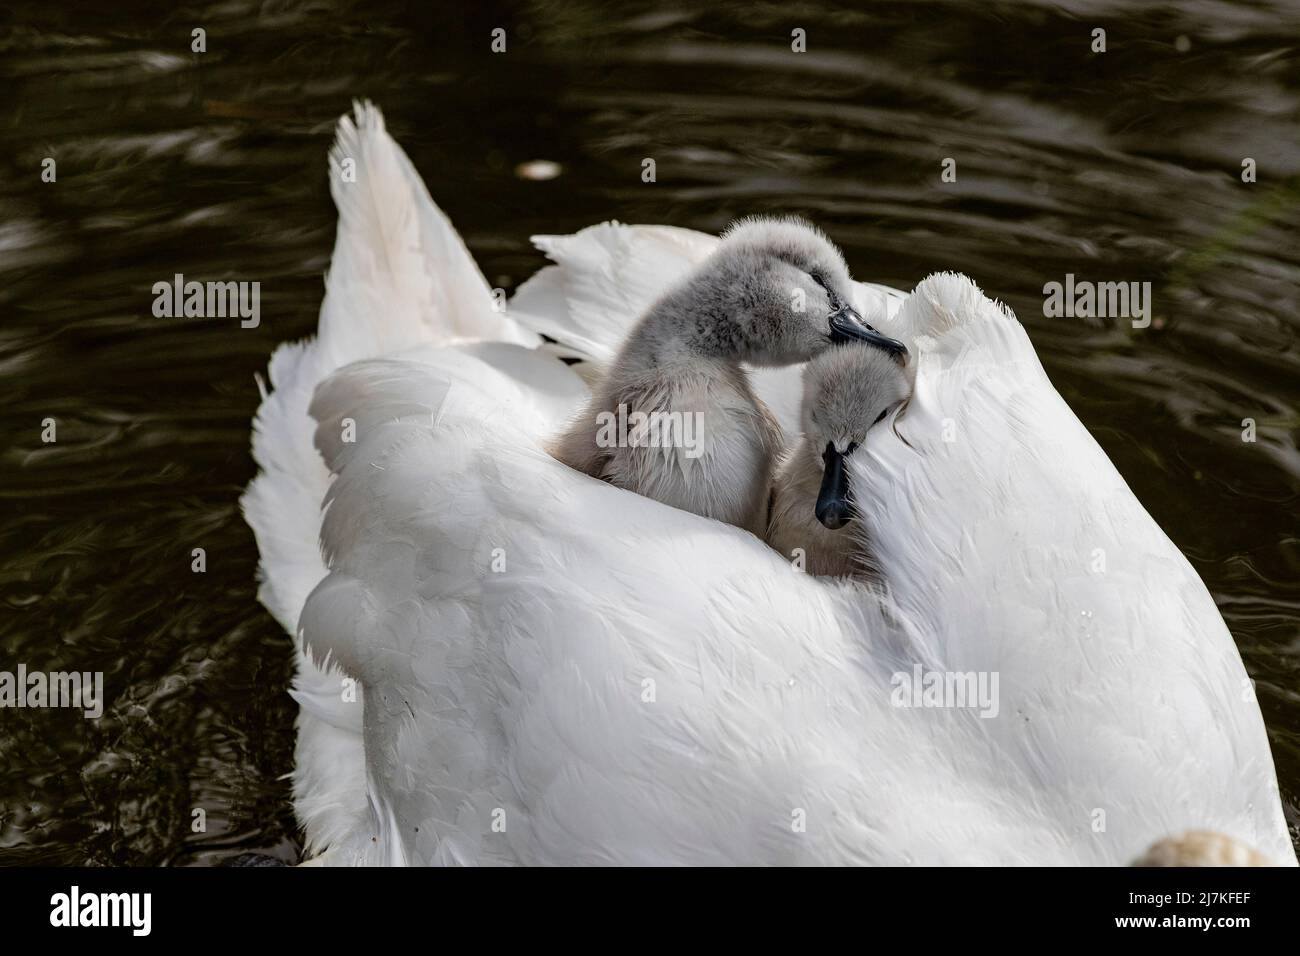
(558, 671)
(1009, 536)
(399, 276)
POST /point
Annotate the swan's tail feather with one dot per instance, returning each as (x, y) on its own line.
(399, 277)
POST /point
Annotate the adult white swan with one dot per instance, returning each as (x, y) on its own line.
(553, 670)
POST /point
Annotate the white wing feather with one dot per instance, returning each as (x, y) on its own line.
(1009, 536)
(399, 276)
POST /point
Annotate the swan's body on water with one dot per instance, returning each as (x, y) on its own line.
(555, 670)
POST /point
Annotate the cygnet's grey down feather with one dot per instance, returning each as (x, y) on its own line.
(757, 300)
(848, 391)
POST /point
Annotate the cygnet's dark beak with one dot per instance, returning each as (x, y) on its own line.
(834, 502)
(847, 326)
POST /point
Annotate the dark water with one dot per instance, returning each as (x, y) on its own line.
(1117, 166)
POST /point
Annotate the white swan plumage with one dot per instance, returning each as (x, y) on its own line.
(555, 671)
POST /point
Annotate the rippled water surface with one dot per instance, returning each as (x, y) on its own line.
(1117, 166)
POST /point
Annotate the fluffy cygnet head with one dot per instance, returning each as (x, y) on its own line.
(774, 292)
(848, 390)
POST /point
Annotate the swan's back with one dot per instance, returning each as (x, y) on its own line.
(556, 691)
